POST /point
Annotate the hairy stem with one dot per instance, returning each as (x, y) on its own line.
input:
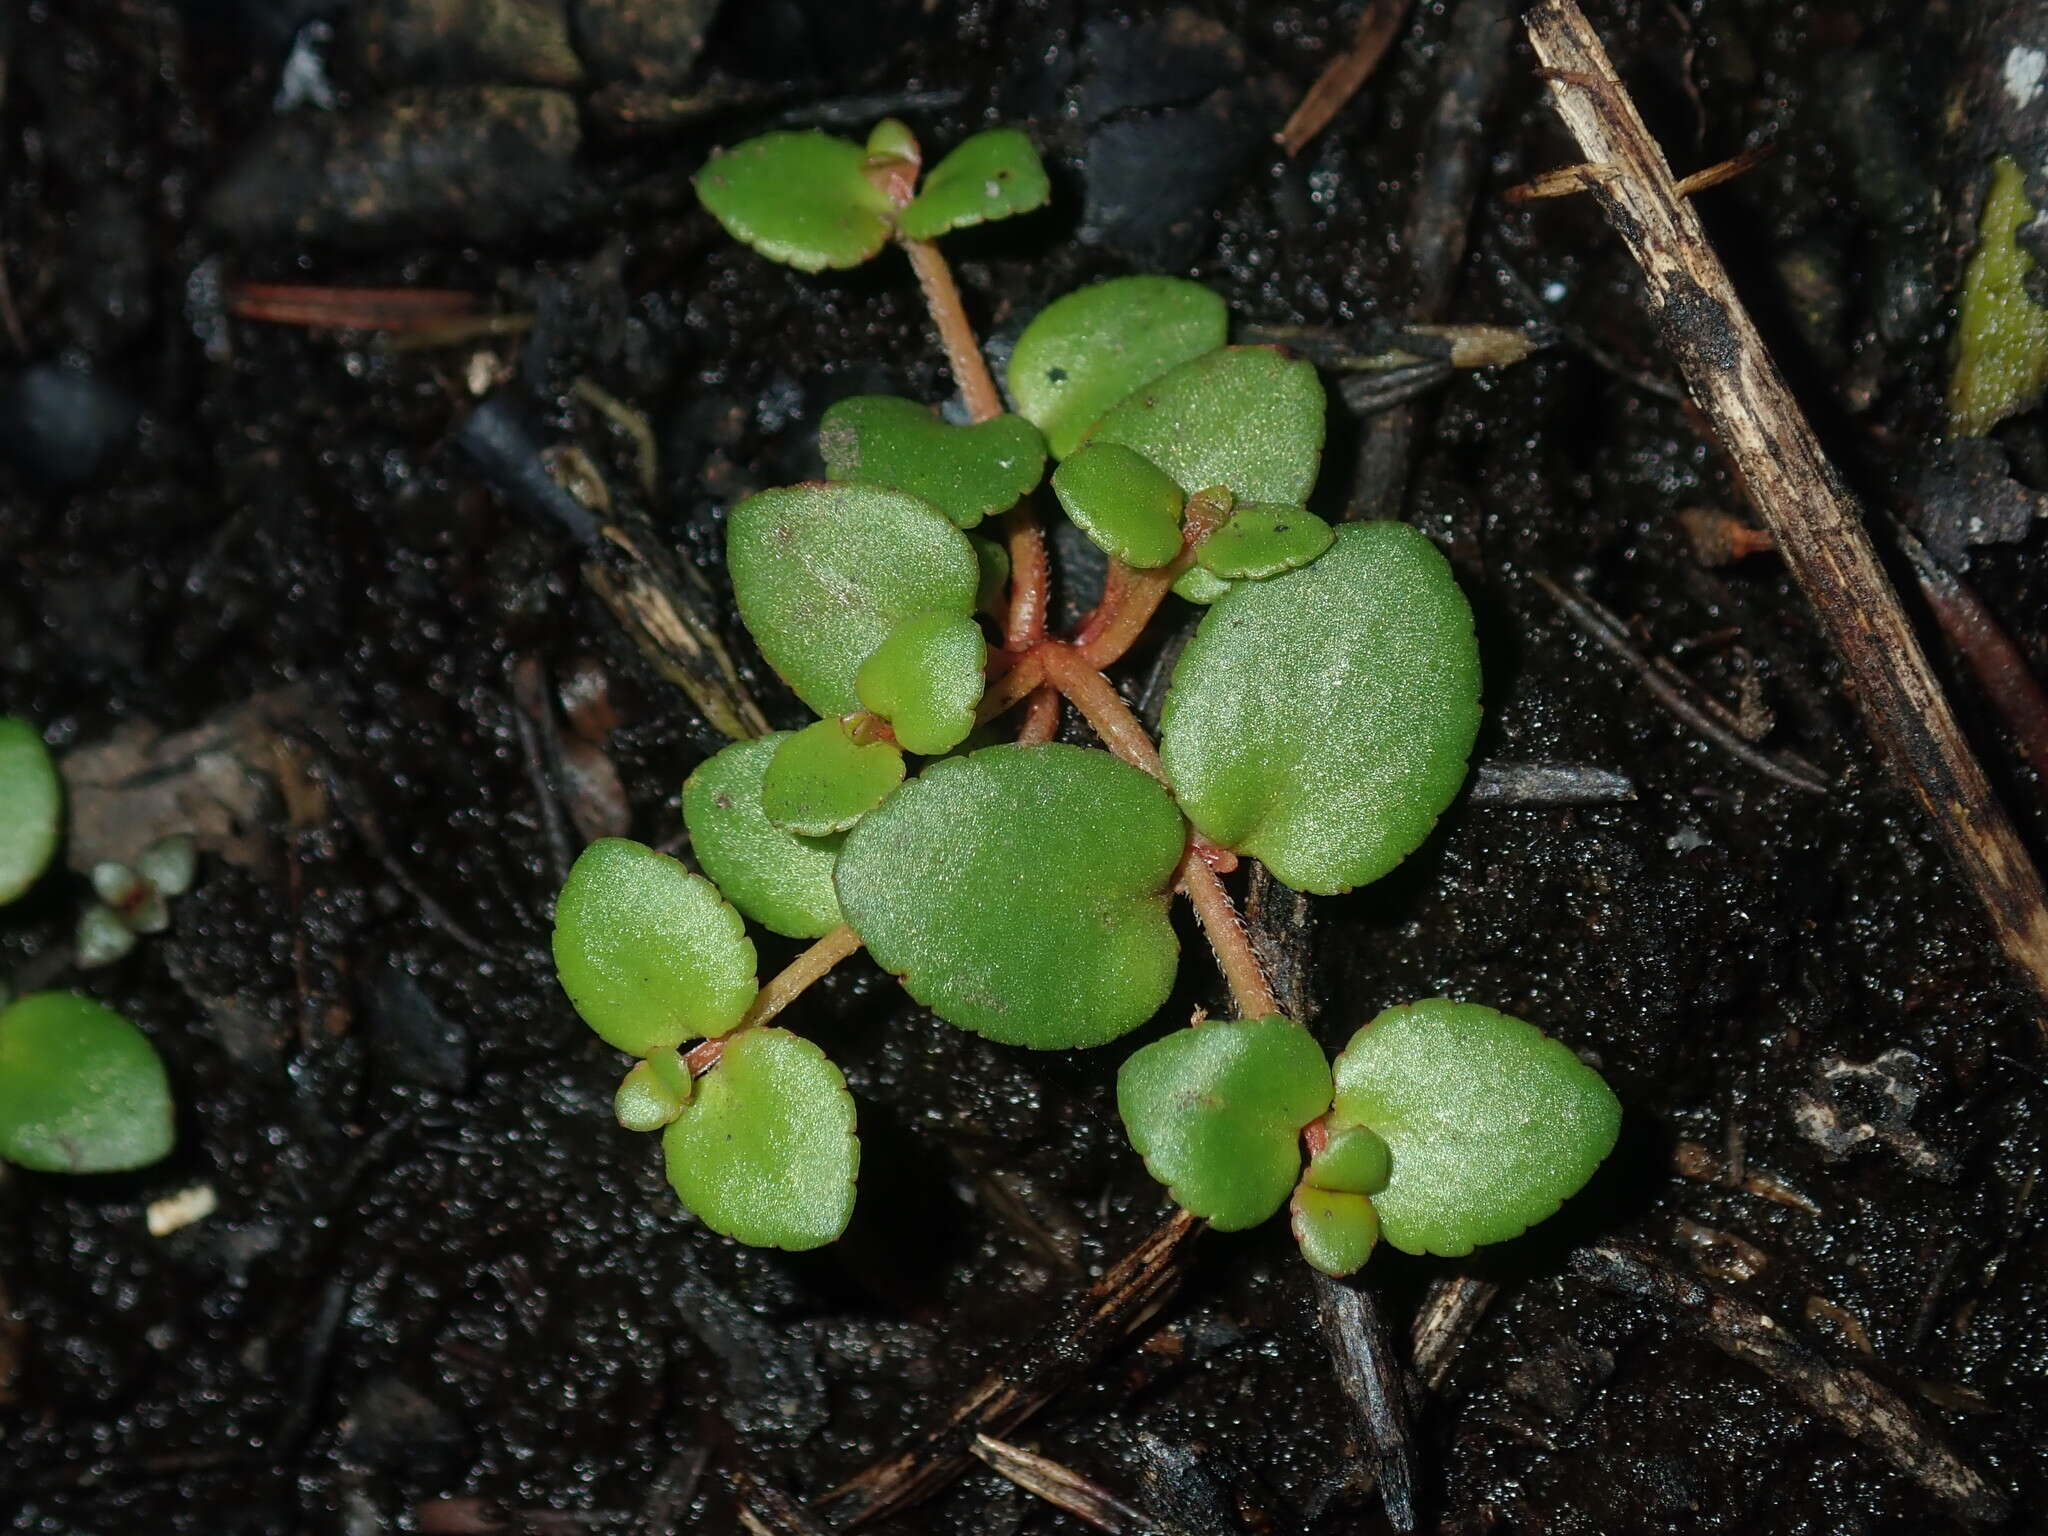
(956, 334)
(1030, 579)
(1110, 717)
(1129, 599)
(791, 981)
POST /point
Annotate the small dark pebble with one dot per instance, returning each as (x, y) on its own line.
(60, 425)
(411, 1040)
(481, 164)
(1154, 183)
(391, 1425)
(1173, 61)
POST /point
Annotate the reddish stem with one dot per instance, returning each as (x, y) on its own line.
(1101, 706)
(1226, 935)
(1030, 579)
(788, 984)
(1041, 720)
(956, 333)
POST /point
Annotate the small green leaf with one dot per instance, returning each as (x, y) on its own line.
(1260, 541)
(648, 953)
(650, 1097)
(782, 882)
(81, 1089)
(1020, 892)
(1088, 350)
(823, 573)
(968, 473)
(822, 781)
(1354, 1161)
(34, 802)
(990, 176)
(1320, 720)
(1121, 500)
(1336, 1231)
(1217, 1111)
(926, 680)
(891, 138)
(766, 1151)
(1490, 1123)
(1247, 418)
(797, 198)
(1200, 586)
(995, 573)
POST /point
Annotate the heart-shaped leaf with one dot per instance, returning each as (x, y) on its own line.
(1260, 541)
(1354, 1161)
(781, 881)
(797, 198)
(648, 953)
(1086, 351)
(926, 680)
(990, 176)
(1217, 1111)
(1020, 892)
(1490, 1123)
(653, 1093)
(33, 806)
(766, 1152)
(1320, 720)
(1336, 1231)
(81, 1089)
(1246, 418)
(822, 781)
(1123, 501)
(823, 573)
(968, 473)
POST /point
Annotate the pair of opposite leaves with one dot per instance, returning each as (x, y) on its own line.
(1446, 1126)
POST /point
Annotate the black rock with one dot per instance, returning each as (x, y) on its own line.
(412, 1040)
(1153, 183)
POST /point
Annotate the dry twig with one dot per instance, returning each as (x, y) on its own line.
(1791, 483)
(1371, 1378)
(1063, 1487)
(1378, 24)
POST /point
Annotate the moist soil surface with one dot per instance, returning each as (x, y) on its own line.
(254, 587)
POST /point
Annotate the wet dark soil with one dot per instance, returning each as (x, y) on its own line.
(438, 1273)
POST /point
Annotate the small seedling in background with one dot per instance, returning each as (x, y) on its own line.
(134, 901)
(81, 1089)
(1319, 720)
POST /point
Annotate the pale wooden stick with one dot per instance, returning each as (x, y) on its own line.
(1818, 524)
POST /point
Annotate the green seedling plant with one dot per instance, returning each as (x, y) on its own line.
(1319, 720)
(81, 1089)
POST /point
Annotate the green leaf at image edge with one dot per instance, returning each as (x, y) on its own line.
(648, 953)
(823, 573)
(31, 806)
(1334, 766)
(1088, 350)
(1490, 1124)
(1021, 891)
(782, 882)
(797, 198)
(1217, 1112)
(81, 1089)
(765, 1152)
(993, 175)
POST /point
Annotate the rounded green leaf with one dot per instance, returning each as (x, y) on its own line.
(81, 1089)
(1217, 1111)
(822, 573)
(1088, 350)
(968, 473)
(781, 881)
(1125, 503)
(990, 176)
(1021, 892)
(1490, 1123)
(1261, 541)
(1320, 720)
(33, 804)
(766, 1152)
(1199, 586)
(926, 680)
(1247, 418)
(1336, 1231)
(649, 1097)
(995, 573)
(1354, 1161)
(822, 781)
(648, 953)
(797, 198)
